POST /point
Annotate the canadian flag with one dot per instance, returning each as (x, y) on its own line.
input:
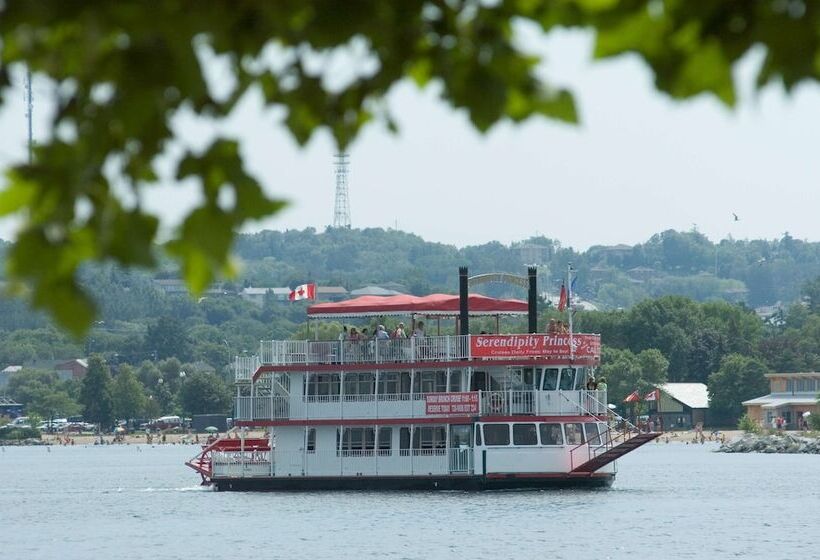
(634, 396)
(651, 396)
(305, 291)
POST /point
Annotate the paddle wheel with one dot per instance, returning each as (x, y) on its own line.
(227, 451)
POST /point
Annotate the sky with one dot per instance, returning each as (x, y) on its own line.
(637, 164)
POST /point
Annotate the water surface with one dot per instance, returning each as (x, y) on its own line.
(669, 501)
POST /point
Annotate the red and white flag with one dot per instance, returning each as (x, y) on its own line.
(305, 291)
(634, 396)
(651, 396)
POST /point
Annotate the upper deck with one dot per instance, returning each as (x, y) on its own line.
(301, 355)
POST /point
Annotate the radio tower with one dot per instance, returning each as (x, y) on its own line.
(341, 210)
(29, 112)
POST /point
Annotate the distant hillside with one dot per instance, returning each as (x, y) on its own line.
(756, 272)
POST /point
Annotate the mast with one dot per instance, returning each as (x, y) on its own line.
(570, 270)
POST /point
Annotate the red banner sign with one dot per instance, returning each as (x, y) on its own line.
(451, 403)
(535, 345)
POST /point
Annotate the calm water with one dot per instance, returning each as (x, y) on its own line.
(669, 501)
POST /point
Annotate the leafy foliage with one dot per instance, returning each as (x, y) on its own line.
(748, 425)
(205, 394)
(739, 378)
(128, 394)
(123, 74)
(96, 393)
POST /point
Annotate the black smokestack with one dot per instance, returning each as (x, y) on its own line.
(532, 303)
(463, 307)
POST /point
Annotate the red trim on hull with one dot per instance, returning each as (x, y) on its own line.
(507, 476)
(394, 366)
(425, 420)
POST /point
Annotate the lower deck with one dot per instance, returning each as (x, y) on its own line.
(474, 453)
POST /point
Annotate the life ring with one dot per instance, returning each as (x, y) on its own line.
(496, 403)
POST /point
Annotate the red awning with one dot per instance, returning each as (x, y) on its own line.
(434, 304)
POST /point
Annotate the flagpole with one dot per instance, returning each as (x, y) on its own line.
(569, 310)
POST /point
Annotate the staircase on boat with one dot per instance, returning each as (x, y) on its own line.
(614, 453)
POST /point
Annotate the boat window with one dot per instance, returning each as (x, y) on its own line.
(497, 434)
(385, 442)
(389, 383)
(460, 435)
(359, 383)
(323, 384)
(525, 434)
(567, 379)
(551, 434)
(404, 441)
(528, 377)
(591, 432)
(311, 440)
(455, 380)
(603, 430)
(430, 382)
(358, 441)
(429, 437)
(580, 378)
(574, 433)
(550, 379)
(538, 373)
(478, 436)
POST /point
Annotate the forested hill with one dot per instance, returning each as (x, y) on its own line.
(757, 272)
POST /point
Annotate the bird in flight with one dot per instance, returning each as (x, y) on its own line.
(735, 216)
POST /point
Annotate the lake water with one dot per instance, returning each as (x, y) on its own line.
(669, 501)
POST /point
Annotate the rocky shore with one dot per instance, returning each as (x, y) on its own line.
(778, 443)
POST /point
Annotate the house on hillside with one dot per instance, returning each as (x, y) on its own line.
(72, 369)
(791, 396)
(374, 291)
(330, 293)
(257, 295)
(679, 406)
(6, 374)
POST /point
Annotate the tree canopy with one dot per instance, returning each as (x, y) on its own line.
(123, 71)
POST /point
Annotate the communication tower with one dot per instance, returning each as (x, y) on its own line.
(341, 210)
(29, 112)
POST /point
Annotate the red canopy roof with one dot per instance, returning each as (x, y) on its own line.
(434, 304)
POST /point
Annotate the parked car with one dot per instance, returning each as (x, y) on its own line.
(20, 422)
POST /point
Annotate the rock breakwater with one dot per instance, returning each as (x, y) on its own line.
(780, 443)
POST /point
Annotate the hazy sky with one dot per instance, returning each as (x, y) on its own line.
(637, 164)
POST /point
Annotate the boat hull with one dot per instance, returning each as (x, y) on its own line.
(470, 483)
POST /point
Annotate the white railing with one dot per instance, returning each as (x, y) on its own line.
(241, 463)
(407, 405)
(245, 367)
(374, 462)
(430, 348)
(262, 408)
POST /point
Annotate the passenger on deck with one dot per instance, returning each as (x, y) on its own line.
(399, 332)
(354, 334)
(591, 384)
(419, 332)
(552, 328)
(381, 333)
